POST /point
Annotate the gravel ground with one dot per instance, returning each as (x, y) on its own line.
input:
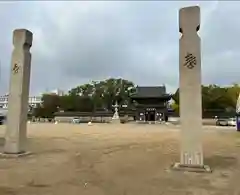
(118, 159)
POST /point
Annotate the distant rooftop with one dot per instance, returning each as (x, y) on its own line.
(150, 91)
(56, 91)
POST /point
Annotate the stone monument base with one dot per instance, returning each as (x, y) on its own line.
(12, 155)
(192, 168)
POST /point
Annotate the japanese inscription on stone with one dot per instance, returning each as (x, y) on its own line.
(15, 69)
(190, 61)
(192, 158)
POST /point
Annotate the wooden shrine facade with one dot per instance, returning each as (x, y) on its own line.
(151, 103)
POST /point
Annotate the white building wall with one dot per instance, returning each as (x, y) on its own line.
(33, 101)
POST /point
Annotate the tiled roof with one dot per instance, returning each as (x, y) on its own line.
(150, 91)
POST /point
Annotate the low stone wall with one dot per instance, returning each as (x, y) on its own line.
(173, 120)
(65, 119)
(84, 119)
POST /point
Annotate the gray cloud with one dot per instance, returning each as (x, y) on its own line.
(75, 42)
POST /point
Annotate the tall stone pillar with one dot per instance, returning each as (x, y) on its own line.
(16, 132)
(190, 88)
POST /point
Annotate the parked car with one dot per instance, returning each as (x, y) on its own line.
(76, 120)
(2, 119)
(3, 116)
(232, 122)
(226, 122)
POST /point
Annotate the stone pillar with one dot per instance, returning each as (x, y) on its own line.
(190, 88)
(16, 132)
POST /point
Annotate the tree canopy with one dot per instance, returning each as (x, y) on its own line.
(215, 97)
(101, 95)
(89, 97)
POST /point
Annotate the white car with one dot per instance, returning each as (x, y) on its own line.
(226, 122)
(76, 120)
(232, 122)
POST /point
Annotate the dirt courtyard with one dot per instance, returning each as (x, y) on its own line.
(118, 159)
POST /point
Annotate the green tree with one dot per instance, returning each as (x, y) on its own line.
(50, 105)
(67, 103)
(175, 97)
(233, 93)
(104, 93)
(215, 97)
(38, 112)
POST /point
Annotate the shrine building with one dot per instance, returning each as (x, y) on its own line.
(151, 103)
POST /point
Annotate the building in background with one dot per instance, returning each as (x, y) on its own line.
(4, 101)
(32, 100)
(152, 103)
(56, 92)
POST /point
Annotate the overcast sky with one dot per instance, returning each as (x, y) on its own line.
(75, 42)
